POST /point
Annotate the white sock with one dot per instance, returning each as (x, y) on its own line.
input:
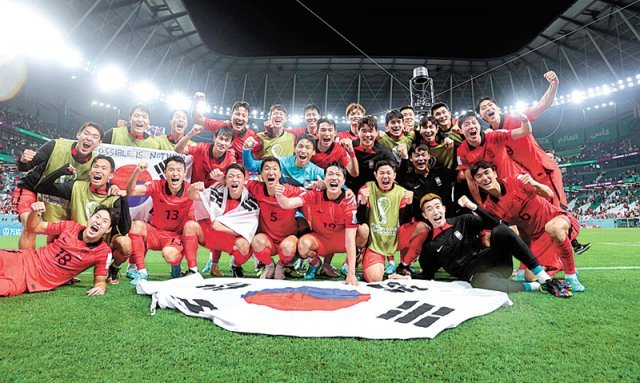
(195, 269)
(142, 271)
(570, 276)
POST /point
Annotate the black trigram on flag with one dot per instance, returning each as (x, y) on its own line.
(223, 286)
(420, 314)
(159, 167)
(197, 306)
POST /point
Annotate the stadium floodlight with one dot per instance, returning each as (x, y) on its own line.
(577, 96)
(145, 91)
(202, 107)
(521, 106)
(606, 90)
(110, 78)
(296, 119)
(178, 101)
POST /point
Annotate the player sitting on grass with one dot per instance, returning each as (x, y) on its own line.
(76, 249)
(454, 244)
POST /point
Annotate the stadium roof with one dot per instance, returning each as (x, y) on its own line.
(163, 41)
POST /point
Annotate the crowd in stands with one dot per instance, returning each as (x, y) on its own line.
(619, 203)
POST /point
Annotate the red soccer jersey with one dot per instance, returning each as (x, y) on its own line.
(526, 151)
(275, 221)
(170, 212)
(238, 139)
(520, 205)
(329, 217)
(336, 152)
(204, 162)
(299, 132)
(347, 134)
(493, 149)
(67, 256)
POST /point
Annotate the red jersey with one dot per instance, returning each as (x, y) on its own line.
(67, 256)
(238, 139)
(170, 212)
(520, 205)
(275, 221)
(526, 151)
(336, 152)
(328, 217)
(300, 131)
(492, 148)
(204, 162)
(348, 134)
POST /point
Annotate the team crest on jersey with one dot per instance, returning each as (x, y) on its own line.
(458, 234)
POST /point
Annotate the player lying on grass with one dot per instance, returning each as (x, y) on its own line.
(74, 250)
(526, 203)
(454, 244)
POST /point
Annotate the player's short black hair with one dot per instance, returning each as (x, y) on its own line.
(114, 215)
(112, 163)
(485, 98)
(370, 121)
(173, 113)
(142, 107)
(270, 159)
(482, 164)
(224, 131)
(177, 159)
(241, 104)
(329, 121)
(465, 116)
(236, 166)
(438, 105)
(407, 107)
(278, 107)
(382, 163)
(416, 148)
(426, 119)
(311, 106)
(391, 115)
(307, 137)
(337, 165)
(94, 125)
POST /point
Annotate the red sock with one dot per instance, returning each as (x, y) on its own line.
(138, 250)
(415, 248)
(239, 259)
(565, 251)
(314, 261)
(264, 256)
(284, 260)
(190, 245)
(390, 259)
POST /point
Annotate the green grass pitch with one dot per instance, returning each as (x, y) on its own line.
(65, 336)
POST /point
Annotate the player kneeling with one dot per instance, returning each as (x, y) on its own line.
(227, 219)
(333, 222)
(76, 249)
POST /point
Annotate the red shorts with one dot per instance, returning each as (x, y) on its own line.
(159, 239)
(328, 245)
(370, 258)
(217, 240)
(544, 248)
(22, 199)
(13, 278)
(404, 234)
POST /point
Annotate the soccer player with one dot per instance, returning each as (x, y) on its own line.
(276, 141)
(227, 219)
(136, 135)
(368, 152)
(82, 197)
(179, 123)
(355, 112)
(488, 147)
(76, 249)
(240, 112)
(454, 244)
(409, 118)
(395, 138)
(278, 226)
(311, 117)
(333, 221)
(48, 158)
(448, 126)
(525, 203)
(297, 170)
(443, 148)
(209, 159)
(171, 211)
(383, 207)
(328, 150)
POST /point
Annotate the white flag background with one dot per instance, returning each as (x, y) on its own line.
(391, 309)
(126, 159)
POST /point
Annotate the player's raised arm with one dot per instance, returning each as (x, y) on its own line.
(286, 202)
(132, 188)
(183, 145)
(34, 224)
